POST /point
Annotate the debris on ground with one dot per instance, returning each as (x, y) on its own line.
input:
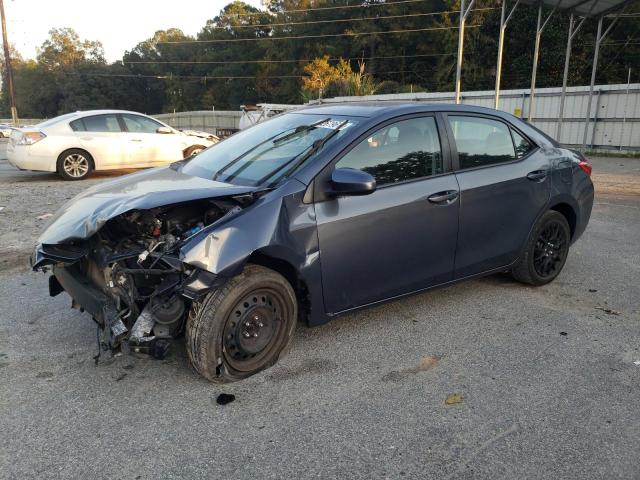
(610, 311)
(454, 398)
(427, 363)
(225, 398)
(593, 290)
(564, 334)
(44, 216)
(637, 362)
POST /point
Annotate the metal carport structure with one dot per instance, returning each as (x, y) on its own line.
(577, 8)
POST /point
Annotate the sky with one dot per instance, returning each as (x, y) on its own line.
(119, 24)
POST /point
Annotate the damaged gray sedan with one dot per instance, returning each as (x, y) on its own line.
(309, 215)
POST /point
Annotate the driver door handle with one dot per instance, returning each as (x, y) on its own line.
(136, 139)
(537, 175)
(444, 198)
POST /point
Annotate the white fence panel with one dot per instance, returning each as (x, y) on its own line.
(610, 104)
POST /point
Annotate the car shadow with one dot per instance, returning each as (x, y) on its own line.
(21, 176)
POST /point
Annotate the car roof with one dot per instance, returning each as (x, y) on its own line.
(376, 108)
(392, 108)
(84, 113)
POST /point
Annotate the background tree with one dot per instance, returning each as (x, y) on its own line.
(246, 55)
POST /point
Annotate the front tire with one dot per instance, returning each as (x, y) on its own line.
(75, 164)
(243, 327)
(546, 251)
(193, 150)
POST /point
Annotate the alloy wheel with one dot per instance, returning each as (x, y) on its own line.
(550, 250)
(75, 165)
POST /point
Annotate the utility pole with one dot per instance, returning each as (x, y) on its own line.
(7, 63)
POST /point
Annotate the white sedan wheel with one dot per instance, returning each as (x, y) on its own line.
(75, 165)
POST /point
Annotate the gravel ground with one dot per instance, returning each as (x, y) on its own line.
(546, 378)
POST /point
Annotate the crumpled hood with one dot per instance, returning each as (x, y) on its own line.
(86, 213)
(201, 134)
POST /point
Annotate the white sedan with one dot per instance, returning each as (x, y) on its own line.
(76, 144)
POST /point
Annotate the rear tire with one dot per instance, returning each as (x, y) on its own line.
(243, 327)
(546, 251)
(74, 164)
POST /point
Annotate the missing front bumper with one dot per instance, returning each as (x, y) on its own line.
(89, 298)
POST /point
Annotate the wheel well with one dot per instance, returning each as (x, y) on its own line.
(89, 156)
(569, 213)
(186, 150)
(289, 272)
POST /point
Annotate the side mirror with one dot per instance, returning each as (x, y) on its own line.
(349, 181)
(164, 130)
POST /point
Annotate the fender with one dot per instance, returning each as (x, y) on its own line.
(278, 227)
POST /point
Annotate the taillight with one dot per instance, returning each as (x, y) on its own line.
(29, 138)
(586, 167)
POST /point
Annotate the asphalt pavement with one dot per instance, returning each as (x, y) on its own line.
(541, 382)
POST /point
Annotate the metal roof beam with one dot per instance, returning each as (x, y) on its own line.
(599, 37)
(463, 17)
(536, 53)
(503, 26)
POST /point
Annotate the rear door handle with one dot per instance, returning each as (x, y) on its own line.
(136, 139)
(537, 175)
(446, 197)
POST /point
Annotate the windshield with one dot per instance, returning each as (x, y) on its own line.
(270, 151)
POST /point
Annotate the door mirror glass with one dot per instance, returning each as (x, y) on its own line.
(349, 181)
(164, 130)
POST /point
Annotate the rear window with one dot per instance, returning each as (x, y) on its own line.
(54, 120)
(77, 125)
(96, 123)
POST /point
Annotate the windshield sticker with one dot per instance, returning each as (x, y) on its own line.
(333, 124)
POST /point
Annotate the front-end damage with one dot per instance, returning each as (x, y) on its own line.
(131, 275)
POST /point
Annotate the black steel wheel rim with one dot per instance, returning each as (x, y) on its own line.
(550, 250)
(254, 329)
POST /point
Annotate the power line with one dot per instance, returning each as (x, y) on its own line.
(326, 35)
(337, 20)
(338, 7)
(302, 60)
(179, 77)
(171, 76)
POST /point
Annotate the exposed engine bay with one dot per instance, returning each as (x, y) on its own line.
(129, 275)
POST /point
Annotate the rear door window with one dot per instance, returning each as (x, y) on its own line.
(97, 123)
(481, 141)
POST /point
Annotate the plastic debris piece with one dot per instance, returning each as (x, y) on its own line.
(637, 362)
(225, 398)
(454, 398)
(44, 216)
